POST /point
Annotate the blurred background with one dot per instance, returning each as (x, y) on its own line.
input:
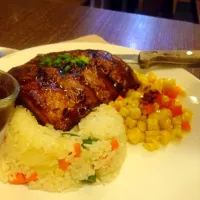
(185, 10)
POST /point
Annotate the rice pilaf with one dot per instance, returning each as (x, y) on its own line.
(48, 159)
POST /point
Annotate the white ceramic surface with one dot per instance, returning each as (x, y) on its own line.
(171, 173)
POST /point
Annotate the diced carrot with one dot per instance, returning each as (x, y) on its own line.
(176, 110)
(63, 164)
(115, 145)
(148, 109)
(77, 149)
(19, 179)
(120, 98)
(172, 93)
(116, 108)
(32, 177)
(185, 126)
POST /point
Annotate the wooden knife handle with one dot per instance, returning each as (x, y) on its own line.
(181, 58)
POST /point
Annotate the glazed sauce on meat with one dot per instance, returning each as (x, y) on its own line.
(4, 112)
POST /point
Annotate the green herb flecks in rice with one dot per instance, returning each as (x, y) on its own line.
(90, 140)
(91, 179)
(71, 134)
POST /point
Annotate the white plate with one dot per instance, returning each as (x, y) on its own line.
(172, 173)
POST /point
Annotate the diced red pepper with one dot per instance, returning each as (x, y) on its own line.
(148, 109)
(159, 100)
(168, 104)
(185, 126)
(164, 104)
(176, 110)
(172, 93)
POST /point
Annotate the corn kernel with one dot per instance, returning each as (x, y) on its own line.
(152, 138)
(182, 92)
(178, 126)
(124, 102)
(142, 137)
(119, 104)
(170, 128)
(178, 133)
(135, 95)
(152, 77)
(130, 123)
(169, 83)
(178, 102)
(176, 120)
(151, 146)
(123, 112)
(154, 115)
(165, 98)
(130, 102)
(135, 113)
(165, 137)
(128, 94)
(112, 103)
(136, 103)
(134, 135)
(143, 118)
(165, 123)
(142, 126)
(152, 124)
(151, 133)
(158, 85)
(143, 79)
(133, 103)
(165, 113)
(187, 115)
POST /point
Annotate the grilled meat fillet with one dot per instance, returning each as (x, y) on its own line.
(62, 88)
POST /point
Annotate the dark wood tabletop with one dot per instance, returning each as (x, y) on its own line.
(25, 24)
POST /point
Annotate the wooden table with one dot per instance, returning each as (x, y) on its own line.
(25, 24)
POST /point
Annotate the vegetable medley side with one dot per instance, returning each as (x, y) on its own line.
(154, 115)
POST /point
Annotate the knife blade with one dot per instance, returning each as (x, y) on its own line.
(146, 59)
(5, 51)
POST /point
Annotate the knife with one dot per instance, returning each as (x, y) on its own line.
(146, 59)
(5, 51)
